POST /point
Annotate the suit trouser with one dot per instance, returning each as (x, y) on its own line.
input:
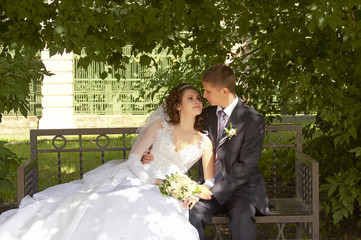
(241, 212)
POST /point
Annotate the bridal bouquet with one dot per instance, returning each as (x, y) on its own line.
(179, 186)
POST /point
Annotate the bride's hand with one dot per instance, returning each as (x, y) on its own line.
(189, 202)
(154, 181)
(158, 181)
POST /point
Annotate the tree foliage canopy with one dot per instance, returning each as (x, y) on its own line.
(303, 56)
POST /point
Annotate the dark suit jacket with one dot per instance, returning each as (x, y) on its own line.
(239, 156)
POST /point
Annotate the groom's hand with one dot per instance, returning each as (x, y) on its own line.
(147, 157)
(205, 193)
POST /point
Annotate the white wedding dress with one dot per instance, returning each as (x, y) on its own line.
(113, 201)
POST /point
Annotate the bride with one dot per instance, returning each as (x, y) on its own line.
(122, 201)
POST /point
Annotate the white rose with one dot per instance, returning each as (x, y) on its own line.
(176, 194)
(173, 185)
(232, 132)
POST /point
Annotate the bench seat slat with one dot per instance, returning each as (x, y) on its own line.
(288, 206)
(288, 209)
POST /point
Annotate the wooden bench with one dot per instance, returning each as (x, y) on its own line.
(301, 209)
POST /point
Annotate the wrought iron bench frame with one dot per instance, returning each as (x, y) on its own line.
(302, 210)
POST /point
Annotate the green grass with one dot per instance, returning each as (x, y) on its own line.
(70, 162)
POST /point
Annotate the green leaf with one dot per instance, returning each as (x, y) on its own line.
(8, 164)
(350, 178)
(325, 187)
(357, 151)
(337, 216)
(334, 21)
(331, 190)
(358, 68)
(145, 60)
(321, 21)
(117, 76)
(344, 212)
(348, 205)
(311, 25)
(344, 138)
(332, 180)
(352, 130)
(104, 75)
(58, 30)
(171, 37)
(327, 209)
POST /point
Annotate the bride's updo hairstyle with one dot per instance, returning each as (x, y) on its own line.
(174, 98)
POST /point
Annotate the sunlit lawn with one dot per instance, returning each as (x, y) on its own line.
(70, 162)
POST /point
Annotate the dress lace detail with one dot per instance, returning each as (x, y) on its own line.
(175, 161)
(203, 143)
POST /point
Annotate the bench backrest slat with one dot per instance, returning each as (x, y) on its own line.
(279, 137)
(274, 140)
(64, 136)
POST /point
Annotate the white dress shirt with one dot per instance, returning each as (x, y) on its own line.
(228, 110)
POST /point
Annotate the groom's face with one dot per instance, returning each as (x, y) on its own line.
(213, 94)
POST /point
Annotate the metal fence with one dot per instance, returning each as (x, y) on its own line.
(96, 96)
(35, 101)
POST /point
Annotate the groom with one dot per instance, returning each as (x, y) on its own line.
(239, 187)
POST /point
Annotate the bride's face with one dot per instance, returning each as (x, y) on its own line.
(191, 102)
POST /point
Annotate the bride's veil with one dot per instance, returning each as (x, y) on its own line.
(157, 115)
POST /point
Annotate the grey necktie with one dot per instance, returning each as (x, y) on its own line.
(221, 124)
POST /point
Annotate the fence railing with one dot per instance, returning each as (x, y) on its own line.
(35, 101)
(110, 96)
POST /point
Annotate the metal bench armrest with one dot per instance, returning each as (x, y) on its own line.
(307, 181)
(27, 178)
